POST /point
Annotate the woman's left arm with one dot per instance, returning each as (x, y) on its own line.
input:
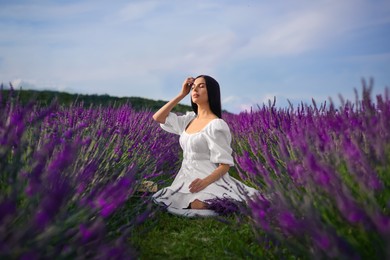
(199, 184)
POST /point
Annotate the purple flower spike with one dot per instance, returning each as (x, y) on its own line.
(113, 196)
(382, 223)
(7, 207)
(289, 223)
(322, 240)
(32, 255)
(350, 210)
(92, 232)
(261, 210)
(107, 209)
(86, 234)
(223, 206)
(375, 183)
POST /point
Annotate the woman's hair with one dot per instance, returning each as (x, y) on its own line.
(214, 96)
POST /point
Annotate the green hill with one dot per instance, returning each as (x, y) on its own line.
(45, 97)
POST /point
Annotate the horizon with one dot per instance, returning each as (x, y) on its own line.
(255, 107)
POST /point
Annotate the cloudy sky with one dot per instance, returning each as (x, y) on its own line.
(293, 50)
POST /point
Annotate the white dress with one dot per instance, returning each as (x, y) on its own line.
(202, 152)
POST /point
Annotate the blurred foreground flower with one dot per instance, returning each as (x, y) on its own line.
(324, 172)
(67, 171)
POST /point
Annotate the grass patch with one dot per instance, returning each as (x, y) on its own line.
(167, 236)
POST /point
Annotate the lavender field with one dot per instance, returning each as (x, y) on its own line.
(67, 173)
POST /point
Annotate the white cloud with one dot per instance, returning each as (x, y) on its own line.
(268, 97)
(206, 52)
(245, 108)
(136, 10)
(37, 84)
(229, 99)
(311, 26)
(235, 104)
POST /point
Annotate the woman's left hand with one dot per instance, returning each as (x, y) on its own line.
(198, 185)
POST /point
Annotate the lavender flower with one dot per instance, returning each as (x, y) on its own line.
(326, 165)
(224, 206)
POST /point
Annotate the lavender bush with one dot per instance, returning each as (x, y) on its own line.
(65, 172)
(69, 177)
(323, 174)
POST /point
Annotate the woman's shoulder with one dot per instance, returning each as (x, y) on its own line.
(218, 124)
(218, 130)
(187, 116)
(190, 114)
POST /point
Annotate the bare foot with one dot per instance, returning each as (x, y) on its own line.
(197, 204)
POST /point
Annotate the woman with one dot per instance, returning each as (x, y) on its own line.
(207, 156)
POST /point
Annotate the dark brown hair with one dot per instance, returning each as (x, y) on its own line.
(214, 96)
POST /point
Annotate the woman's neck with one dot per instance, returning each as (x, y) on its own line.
(205, 112)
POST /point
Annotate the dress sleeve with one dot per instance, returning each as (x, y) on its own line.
(218, 140)
(176, 124)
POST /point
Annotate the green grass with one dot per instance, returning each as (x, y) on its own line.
(167, 236)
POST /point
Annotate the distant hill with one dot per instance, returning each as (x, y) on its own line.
(45, 97)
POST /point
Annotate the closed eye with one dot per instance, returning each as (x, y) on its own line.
(200, 85)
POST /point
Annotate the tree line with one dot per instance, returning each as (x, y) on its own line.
(46, 97)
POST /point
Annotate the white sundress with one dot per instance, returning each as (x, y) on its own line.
(202, 152)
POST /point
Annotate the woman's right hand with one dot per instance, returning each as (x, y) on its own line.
(162, 114)
(186, 87)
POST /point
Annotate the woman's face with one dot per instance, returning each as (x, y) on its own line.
(199, 91)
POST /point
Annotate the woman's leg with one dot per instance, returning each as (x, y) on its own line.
(197, 204)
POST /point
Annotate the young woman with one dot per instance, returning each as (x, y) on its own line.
(207, 156)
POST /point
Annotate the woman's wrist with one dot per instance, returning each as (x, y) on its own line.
(213, 177)
(221, 170)
(182, 95)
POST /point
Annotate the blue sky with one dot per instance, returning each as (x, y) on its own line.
(257, 50)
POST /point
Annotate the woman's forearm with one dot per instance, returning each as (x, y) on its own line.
(200, 184)
(220, 171)
(163, 112)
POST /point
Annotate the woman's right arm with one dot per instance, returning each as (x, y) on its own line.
(163, 112)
